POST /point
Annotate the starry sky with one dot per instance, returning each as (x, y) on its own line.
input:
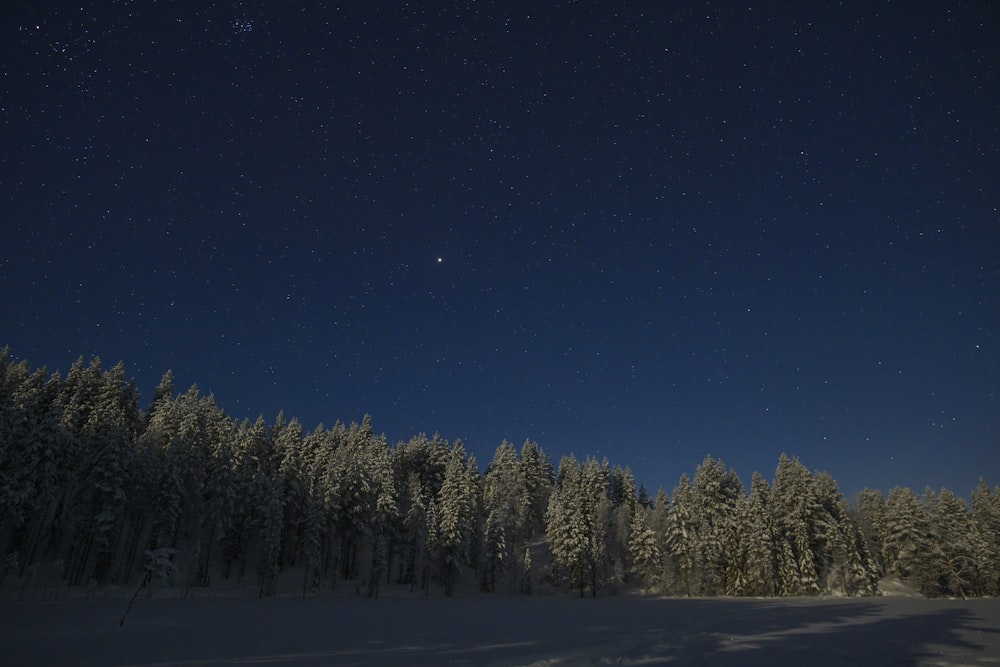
(648, 231)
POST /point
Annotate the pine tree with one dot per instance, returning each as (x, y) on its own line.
(506, 505)
(642, 497)
(313, 529)
(455, 507)
(539, 478)
(872, 525)
(787, 568)
(844, 563)
(474, 513)
(596, 509)
(526, 572)
(576, 523)
(717, 492)
(565, 529)
(796, 515)
(954, 561)
(419, 473)
(986, 517)
(109, 435)
(385, 511)
(269, 524)
(252, 503)
(644, 549)
(759, 540)
(293, 469)
(220, 497)
(906, 538)
(659, 522)
(104, 437)
(30, 461)
(683, 541)
(865, 572)
(739, 568)
(350, 490)
(177, 433)
(163, 394)
(493, 551)
(622, 502)
(22, 410)
(414, 529)
(71, 524)
(433, 545)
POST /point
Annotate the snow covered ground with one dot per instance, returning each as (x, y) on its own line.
(538, 631)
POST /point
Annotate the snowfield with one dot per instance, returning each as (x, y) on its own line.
(537, 631)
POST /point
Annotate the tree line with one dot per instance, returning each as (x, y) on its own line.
(92, 486)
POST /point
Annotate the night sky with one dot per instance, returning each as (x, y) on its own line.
(647, 231)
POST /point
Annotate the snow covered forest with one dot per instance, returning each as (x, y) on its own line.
(92, 486)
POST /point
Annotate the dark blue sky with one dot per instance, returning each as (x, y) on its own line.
(630, 230)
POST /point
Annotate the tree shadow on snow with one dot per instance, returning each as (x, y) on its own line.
(796, 632)
(536, 632)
